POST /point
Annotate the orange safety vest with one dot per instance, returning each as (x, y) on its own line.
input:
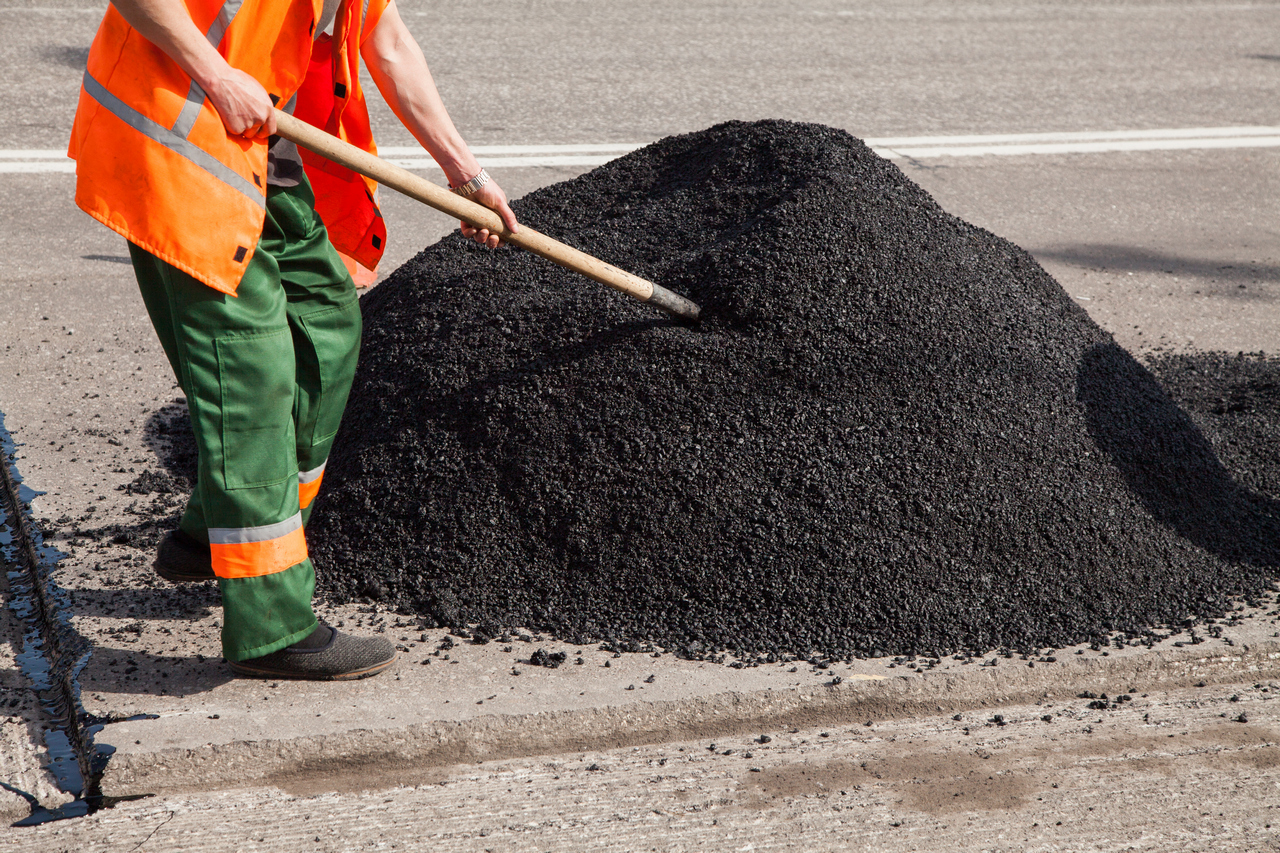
(332, 99)
(154, 161)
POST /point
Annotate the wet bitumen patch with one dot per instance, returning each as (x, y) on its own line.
(153, 498)
(53, 654)
(892, 433)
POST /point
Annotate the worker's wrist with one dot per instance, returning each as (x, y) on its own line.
(458, 166)
(209, 69)
(472, 185)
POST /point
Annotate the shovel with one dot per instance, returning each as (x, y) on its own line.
(346, 154)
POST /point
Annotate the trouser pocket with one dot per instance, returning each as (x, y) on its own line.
(256, 383)
(327, 347)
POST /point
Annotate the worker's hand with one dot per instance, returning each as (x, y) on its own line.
(243, 104)
(492, 197)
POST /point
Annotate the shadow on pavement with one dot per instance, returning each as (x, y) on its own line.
(169, 437)
(118, 669)
(1138, 259)
(1169, 464)
(65, 55)
(190, 601)
(113, 259)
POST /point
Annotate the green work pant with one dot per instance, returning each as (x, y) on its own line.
(266, 374)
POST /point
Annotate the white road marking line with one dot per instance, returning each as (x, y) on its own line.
(33, 154)
(924, 152)
(522, 150)
(913, 147)
(515, 162)
(1076, 136)
(1007, 8)
(65, 166)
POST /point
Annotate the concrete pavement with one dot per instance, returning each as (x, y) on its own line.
(1167, 771)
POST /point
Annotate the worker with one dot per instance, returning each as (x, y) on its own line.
(246, 271)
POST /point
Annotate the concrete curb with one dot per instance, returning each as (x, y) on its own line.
(419, 752)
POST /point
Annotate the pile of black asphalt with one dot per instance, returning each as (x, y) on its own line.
(891, 433)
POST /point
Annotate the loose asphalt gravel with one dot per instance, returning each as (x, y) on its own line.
(892, 432)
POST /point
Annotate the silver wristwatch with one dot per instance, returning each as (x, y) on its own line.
(472, 186)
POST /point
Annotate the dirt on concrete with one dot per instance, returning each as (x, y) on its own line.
(1184, 770)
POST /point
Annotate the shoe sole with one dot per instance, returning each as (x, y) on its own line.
(267, 672)
(180, 577)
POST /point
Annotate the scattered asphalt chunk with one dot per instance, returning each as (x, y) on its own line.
(891, 434)
(550, 660)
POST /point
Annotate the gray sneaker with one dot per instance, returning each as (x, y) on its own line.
(341, 658)
(183, 559)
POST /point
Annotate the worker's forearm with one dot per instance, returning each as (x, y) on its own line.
(400, 71)
(167, 24)
(398, 67)
(241, 102)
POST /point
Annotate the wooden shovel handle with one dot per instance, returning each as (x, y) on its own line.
(402, 180)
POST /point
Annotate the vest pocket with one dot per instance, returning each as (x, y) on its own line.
(256, 384)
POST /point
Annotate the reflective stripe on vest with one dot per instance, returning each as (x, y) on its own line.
(309, 485)
(251, 552)
(195, 95)
(172, 141)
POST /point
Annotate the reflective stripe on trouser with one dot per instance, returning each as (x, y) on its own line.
(309, 487)
(266, 374)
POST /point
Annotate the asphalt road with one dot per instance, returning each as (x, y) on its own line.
(557, 71)
(1167, 247)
